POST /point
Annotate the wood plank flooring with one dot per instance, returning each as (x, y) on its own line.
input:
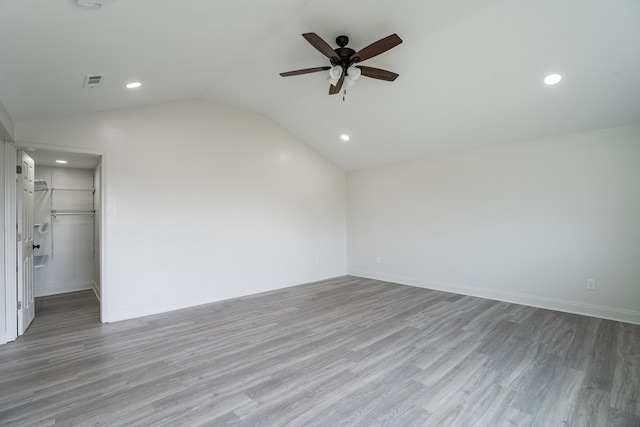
(342, 352)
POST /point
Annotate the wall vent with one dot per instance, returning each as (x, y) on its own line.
(92, 80)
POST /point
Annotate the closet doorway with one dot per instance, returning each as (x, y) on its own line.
(67, 207)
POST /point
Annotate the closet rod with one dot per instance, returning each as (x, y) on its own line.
(55, 213)
(72, 189)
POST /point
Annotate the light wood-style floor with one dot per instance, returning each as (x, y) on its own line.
(342, 352)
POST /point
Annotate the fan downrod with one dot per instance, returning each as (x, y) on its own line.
(343, 52)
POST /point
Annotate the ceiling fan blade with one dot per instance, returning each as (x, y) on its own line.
(336, 89)
(304, 71)
(322, 46)
(377, 73)
(376, 48)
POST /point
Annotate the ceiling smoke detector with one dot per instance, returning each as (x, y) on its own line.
(91, 3)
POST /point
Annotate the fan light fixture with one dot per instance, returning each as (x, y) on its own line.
(353, 73)
(334, 74)
(133, 85)
(64, 162)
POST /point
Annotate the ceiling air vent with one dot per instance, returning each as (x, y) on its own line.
(91, 3)
(92, 80)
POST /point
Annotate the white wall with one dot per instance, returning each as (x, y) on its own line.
(69, 240)
(204, 203)
(6, 124)
(526, 222)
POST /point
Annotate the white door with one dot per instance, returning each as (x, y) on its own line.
(26, 305)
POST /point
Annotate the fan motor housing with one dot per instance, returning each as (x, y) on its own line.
(344, 52)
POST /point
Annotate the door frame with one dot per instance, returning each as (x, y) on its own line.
(10, 277)
(25, 197)
(10, 239)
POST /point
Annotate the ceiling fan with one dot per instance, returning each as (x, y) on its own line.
(344, 59)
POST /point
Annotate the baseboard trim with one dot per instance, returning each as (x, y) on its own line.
(96, 290)
(55, 290)
(603, 312)
(195, 301)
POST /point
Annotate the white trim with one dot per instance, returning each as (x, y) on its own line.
(64, 289)
(10, 229)
(104, 288)
(88, 287)
(3, 229)
(189, 301)
(10, 279)
(603, 312)
(96, 291)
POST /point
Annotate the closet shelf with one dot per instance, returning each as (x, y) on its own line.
(40, 185)
(40, 261)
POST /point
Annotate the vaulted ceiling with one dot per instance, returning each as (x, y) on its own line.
(471, 71)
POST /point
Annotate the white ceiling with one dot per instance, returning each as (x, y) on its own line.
(470, 70)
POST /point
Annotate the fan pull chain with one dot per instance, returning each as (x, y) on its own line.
(344, 95)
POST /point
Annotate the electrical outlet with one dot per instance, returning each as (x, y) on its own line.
(591, 284)
(378, 259)
(317, 260)
(198, 278)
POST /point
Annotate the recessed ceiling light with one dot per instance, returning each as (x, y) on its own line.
(61, 161)
(344, 137)
(134, 85)
(552, 79)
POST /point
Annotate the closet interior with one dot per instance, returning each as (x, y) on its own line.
(66, 231)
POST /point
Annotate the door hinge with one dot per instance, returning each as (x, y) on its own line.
(19, 236)
(19, 169)
(19, 305)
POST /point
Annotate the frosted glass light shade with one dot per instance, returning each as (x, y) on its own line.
(349, 81)
(334, 74)
(354, 72)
